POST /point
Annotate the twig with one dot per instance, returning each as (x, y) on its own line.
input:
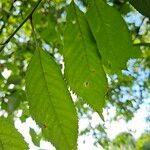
(28, 17)
(142, 44)
(139, 28)
(34, 32)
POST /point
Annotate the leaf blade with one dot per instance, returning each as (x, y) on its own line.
(111, 34)
(10, 139)
(83, 68)
(58, 116)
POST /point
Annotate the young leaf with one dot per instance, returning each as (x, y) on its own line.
(111, 34)
(10, 139)
(50, 102)
(35, 138)
(83, 68)
(47, 29)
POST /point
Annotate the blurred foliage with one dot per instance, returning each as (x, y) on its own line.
(123, 141)
(127, 90)
(144, 142)
(126, 141)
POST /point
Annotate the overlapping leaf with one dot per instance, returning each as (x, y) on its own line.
(143, 6)
(111, 34)
(45, 25)
(10, 139)
(50, 102)
(83, 69)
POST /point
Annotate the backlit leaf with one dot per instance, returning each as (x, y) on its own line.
(10, 139)
(111, 34)
(83, 68)
(50, 102)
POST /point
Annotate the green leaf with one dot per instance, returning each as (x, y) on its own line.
(47, 29)
(13, 102)
(14, 79)
(125, 8)
(143, 6)
(35, 138)
(10, 139)
(83, 68)
(111, 34)
(50, 102)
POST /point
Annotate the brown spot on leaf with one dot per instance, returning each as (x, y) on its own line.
(86, 84)
(93, 70)
(44, 126)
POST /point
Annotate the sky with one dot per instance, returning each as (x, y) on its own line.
(137, 125)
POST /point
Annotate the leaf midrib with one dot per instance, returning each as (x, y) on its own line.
(56, 115)
(109, 41)
(84, 45)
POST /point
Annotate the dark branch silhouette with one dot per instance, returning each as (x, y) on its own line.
(24, 21)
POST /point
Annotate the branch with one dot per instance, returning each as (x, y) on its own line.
(33, 32)
(25, 20)
(138, 29)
